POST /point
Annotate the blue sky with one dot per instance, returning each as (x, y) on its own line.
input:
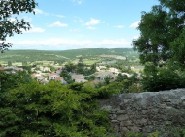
(71, 24)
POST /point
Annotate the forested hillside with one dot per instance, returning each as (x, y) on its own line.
(41, 55)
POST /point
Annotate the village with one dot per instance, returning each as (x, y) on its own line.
(48, 70)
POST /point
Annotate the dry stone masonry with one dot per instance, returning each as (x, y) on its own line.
(146, 112)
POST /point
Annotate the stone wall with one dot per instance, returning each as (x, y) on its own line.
(146, 112)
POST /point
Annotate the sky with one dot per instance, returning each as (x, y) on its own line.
(73, 24)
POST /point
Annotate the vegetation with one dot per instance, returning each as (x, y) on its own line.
(173, 132)
(8, 10)
(66, 55)
(33, 109)
(162, 45)
(28, 108)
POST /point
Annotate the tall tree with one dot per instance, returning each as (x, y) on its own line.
(8, 26)
(161, 33)
(162, 40)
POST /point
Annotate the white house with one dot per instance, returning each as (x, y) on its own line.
(78, 78)
(114, 70)
(103, 74)
(53, 76)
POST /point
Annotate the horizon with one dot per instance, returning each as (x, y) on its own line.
(66, 49)
(77, 24)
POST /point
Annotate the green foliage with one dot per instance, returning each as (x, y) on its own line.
(132, 134)
(70, 67)
(162, 41)
(123, 85)
(162, 32)
(178, 46)
(67, 77)
(177, 132)
(9, 81)
(53, 109)
(107, 80)
(80, 66)
(65, 55)
(154, 134)
(9, 63)
(162, 78)
(172, 132)
(120, 77)
(139, 134)
(11, 8)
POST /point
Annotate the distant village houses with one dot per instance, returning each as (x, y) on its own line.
(78, 78)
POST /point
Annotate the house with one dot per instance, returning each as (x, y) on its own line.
(46, 69)
(35, 75)
(100, 76)
(61, 80)
(126, 74)
(99, 68)
(58, 71)
(1, 68)
(12, 69)
(78, 78)
(40, 78)
(53, 76)
(114, 70)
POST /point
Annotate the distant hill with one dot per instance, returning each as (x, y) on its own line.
(51, 55)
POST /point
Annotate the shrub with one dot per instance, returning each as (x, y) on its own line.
(51, 110)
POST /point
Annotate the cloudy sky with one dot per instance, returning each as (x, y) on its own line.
(71, 24)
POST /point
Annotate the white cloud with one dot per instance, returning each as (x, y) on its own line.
(134, 24)
(39, 11)
(36, 30)
(119, 26)
(75, 30)
(91, 28)
(78, 1)
(58, 15)
(53, 41)
(92, 22)
(114, 42)
(61, 43)
(58, 24)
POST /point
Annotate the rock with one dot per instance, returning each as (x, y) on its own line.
(122, 117)
(147, 112)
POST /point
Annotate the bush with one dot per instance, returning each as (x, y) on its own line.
(162, 78)
(51, 110)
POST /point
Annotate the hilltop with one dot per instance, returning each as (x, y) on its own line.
(64, 55)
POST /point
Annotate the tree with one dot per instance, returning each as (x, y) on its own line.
(9, 81)
(70, 67)
(8, 27)
(9, 63)
(67, 77)
(37, 110)
(93, 68)
(80, 66)
(161, 29)
(161, 45)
